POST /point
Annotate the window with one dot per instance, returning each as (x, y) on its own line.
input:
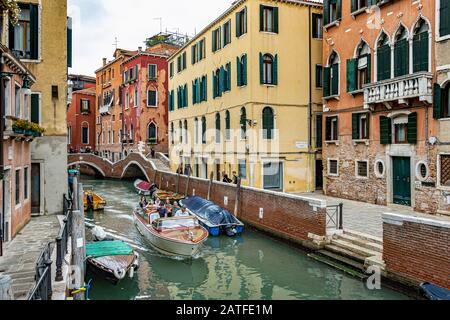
(85, 106)
(172, 133)
(204, 88)
(23, 39)
(85, 134)
(131, 134)
(268, 123)
(383, 58)
(171, 69)
(171, 101)
(243, 124)
(25, 183)
(241, 66)
(317, 21)
(7, 96)
(401, 132)
(441, 105)
(420, 47)
(227, 125)
(127, 101)
(332, 129)
(401, 53)
(273, 175)
(152, 135)
(181, 62)
(226, 33)
(379, 168)
(242, 169)
(268, 69)
(331, 76)
(216, 37)
(218, 133)
(152, 71)
(358, 69)
(360, 126)
(268, 19)
(18, 102)
(135, 99)
(17, 187)
(421, 171)
(358, 5)
(185, 131)
(319, 76)
(196, 128)
(319, 119)
(201, 50)
(332, 11)
(444, 170)
(362, 169)
(180, 127)
(217, 92)
(444, 21)
(401, 129)
(203, 130)
(333, 168)
(241, 22)
(152, 98)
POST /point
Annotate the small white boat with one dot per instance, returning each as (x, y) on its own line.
(144, 188)
(179, 236)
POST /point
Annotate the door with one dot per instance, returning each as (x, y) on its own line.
(35, 188)
(6, 228)
(319, 175)
(401, 180)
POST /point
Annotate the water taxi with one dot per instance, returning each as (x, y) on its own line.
(92, 201)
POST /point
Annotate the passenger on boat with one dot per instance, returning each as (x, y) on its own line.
(169, 208)
(182, 212)
(163, 213)
(157, 202)
(143, 203)
(175, 207)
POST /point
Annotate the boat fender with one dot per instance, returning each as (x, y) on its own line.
(136, 261)
(120, 273)
(131, 273)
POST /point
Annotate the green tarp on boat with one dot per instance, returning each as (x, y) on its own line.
(107, 248)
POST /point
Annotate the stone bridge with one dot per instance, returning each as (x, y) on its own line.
(134, 165)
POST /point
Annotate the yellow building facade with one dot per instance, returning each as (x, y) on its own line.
(244, 97)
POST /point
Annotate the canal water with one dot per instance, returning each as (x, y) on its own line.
(253, 266)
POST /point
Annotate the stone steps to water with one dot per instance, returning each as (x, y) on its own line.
(345, 253)
(324, 257)
(373, 246)
(363, 236)
(362, 251)
(350, 262)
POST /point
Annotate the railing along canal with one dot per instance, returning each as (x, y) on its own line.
(335, 216)
(43, 288)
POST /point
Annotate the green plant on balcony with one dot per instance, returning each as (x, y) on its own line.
(12, 9)
(27, 128)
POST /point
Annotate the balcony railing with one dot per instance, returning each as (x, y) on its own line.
(104, 109)
(400, 89)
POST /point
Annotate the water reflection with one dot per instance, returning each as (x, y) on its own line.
(252, 266)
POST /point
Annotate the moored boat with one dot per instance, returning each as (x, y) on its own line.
(92, 201)
(144, 188)
(434, 292)
(112, 259)
(214, 218)
(179, 236)
(164, 195)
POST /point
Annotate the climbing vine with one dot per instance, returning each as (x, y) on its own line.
(12, 9)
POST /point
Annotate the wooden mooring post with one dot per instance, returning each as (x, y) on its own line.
(211, 177)
(178, 182)
(187, 182)
(237, 204)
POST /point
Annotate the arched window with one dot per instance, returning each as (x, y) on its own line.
(383, 58)
(203, 130)
(268, 68)
(420, 46)
(363, 65)
(131, 134)
(218, 133)
(180, 127)
(185, 132)
(217, 90)
(331, 76)
(243, 123)
(152, 133)
(401, 53)
(227, 125)
(196, 129)
(172, 133)
(268, 123)
(125, 135)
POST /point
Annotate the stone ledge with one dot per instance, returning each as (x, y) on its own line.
(398, 219)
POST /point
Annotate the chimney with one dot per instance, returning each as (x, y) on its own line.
(139, 49)
(104, 61)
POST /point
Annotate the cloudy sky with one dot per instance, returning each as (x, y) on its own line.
(96, 23)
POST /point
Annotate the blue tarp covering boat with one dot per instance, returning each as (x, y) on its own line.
(434, 292)
(213, 217)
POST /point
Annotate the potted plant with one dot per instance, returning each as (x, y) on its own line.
(20, 126)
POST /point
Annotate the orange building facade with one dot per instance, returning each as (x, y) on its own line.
(380, 123)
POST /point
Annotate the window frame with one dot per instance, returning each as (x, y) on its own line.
(329, 173)
(156, 98)
(357, 169)
(155, 66)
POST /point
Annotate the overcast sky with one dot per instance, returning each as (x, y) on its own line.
(96, 23)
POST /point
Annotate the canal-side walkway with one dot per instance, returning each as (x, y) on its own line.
(21, 254)
(360, 216)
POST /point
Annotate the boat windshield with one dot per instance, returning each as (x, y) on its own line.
(177, 223)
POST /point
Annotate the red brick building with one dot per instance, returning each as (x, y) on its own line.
(81, 121)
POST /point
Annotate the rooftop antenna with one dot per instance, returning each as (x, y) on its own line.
(116, 42)
(160, 24)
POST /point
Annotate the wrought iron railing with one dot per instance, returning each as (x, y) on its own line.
(335, 217)
(43, 277)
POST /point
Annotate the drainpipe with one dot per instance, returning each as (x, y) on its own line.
(310, 102)
(2, 129)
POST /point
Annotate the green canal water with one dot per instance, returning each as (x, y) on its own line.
(253, 266)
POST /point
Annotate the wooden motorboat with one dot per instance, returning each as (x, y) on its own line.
(164, 195)
(179, 236)
(434, 292)
(92, 201)
(144, 188)
(112, 259)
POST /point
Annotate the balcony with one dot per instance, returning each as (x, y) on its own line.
(401, 89)
(105, 110)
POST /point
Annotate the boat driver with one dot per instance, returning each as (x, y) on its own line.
(182, 212)
(163, 213)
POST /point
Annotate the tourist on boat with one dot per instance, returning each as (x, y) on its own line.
(175, 207)
(143, 203)
(157, 202)
(182, 212)
(169, 207)
(162, 210)
(226, 179)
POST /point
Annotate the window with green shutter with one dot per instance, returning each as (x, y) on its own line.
(227, 125)
(268, 19)
(360, 126)
(444, 21)
(401, 53)
(352, 65)
(268, 69)
(383, 58)
(218, 133)
(319, 133)
(24, 37)
(335, 79)
(35, 108)
(69, 42)
(326, 81)
(412, 128)
(203, 130)
(319, 76)
(241, 22)
(385, 130)
(331, 128)
(420, 47)
(243, 123)
(152, 98)
(438, 102)
(268, 123)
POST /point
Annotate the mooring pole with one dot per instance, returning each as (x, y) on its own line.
(237, 203)
(160, 181)
(211, 177)
(78, 241)
(154, 176)
(178, 182)
(188, 181)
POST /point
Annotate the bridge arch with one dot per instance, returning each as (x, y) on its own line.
(89, 164)
(136, 164)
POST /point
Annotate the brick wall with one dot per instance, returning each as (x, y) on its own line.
(417, 249)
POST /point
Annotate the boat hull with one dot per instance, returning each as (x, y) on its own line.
(166, 246)
(105, 266)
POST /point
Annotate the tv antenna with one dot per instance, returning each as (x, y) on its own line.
(116, 42)
(160, 23)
